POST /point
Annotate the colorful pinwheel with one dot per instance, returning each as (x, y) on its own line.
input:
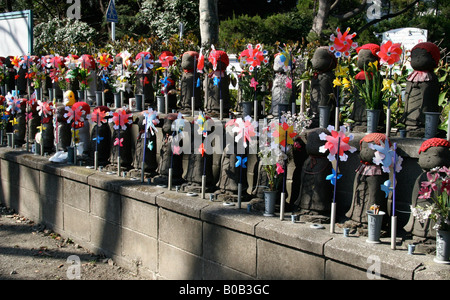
(385, 155)
(342, 43)
(74, 116)
(144, 62)
(150, 120)
(201, 122)
(104, 60)
(284, 134)
(120, 118)
(245, 129)
(333, 144)
(253, 57)
(99, 116)
(390, 53)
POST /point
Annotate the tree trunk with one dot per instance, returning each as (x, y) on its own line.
(320, 19)
(209, 22)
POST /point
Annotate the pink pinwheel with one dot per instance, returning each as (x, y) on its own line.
(333, 144)
(44, 109)
(121, 119)
(98, 116)
(245, 129)
(166, 59)
(253, 83)
(390, 53)
(118, 142)
(176, 150)
(284, 134)
(74, 115)
(342, 43)
(253, 56)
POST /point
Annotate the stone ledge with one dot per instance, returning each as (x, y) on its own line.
(179, 202)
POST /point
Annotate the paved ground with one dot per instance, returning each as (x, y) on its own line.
(28, 251)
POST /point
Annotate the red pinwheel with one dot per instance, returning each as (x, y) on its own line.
(98, 115)
(390, 53)
(86, 61)
(166, 59)
(74, 115)
(342, 43)
(121, 118)
(253, 56)
(284, 134)
(104, 60)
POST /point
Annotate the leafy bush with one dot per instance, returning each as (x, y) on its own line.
(62, 36)
(236, 32)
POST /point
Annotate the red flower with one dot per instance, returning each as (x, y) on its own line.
(390, 53)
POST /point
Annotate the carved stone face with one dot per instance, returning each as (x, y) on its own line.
(365, 57)
(322, 60)
(366, 154)
(313, 142)
(434, 157)
(187, 60)
(421, 60)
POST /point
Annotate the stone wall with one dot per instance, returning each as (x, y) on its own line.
(171, 236)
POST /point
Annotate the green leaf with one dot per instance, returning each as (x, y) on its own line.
(442, 98)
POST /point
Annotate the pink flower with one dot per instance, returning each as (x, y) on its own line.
(253, 83)
(445, 187)
(424, 193)
(279, 169)
(289, 83)
(390, 53)
(431, 183)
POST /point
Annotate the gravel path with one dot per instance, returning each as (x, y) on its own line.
(28, 251)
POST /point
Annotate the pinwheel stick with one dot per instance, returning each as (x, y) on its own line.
(144, 149)
(333, 205)
(166, 96)
(394, 217)
(204, 175)
(220, 96)
(255, 101)
(118, 151)
(336, 117)
(96, 145)
(283, 193)
(193, 87)
(169, 182)
(388, 112)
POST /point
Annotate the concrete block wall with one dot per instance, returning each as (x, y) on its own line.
(167, 235)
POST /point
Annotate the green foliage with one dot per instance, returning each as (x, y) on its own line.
(162, 17)
(238, 31)
(62, 37)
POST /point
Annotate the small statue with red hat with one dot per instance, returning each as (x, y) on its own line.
(422, 87)
(323, 63)
(190, 82)
(218, 84)
(368, 179)
(433, 153)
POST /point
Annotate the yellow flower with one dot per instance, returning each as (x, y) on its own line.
(346, 83)
(374, 65)
(337, 82)
(341, 71)
(387, 85)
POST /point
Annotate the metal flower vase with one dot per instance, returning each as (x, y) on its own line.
(270, 198)
(374, 226)
(442, 247)
(373, 117)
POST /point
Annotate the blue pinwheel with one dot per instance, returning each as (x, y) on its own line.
(241, 162)
(332, 177)
(150, 146)
(165, 81)
(216, 81)
(198, 82)
(98, 139)
(386, 187)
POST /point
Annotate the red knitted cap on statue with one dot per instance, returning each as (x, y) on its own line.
(434, 142)
(374, 48)
(430, 48)
(219, 55)
(375, 137)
